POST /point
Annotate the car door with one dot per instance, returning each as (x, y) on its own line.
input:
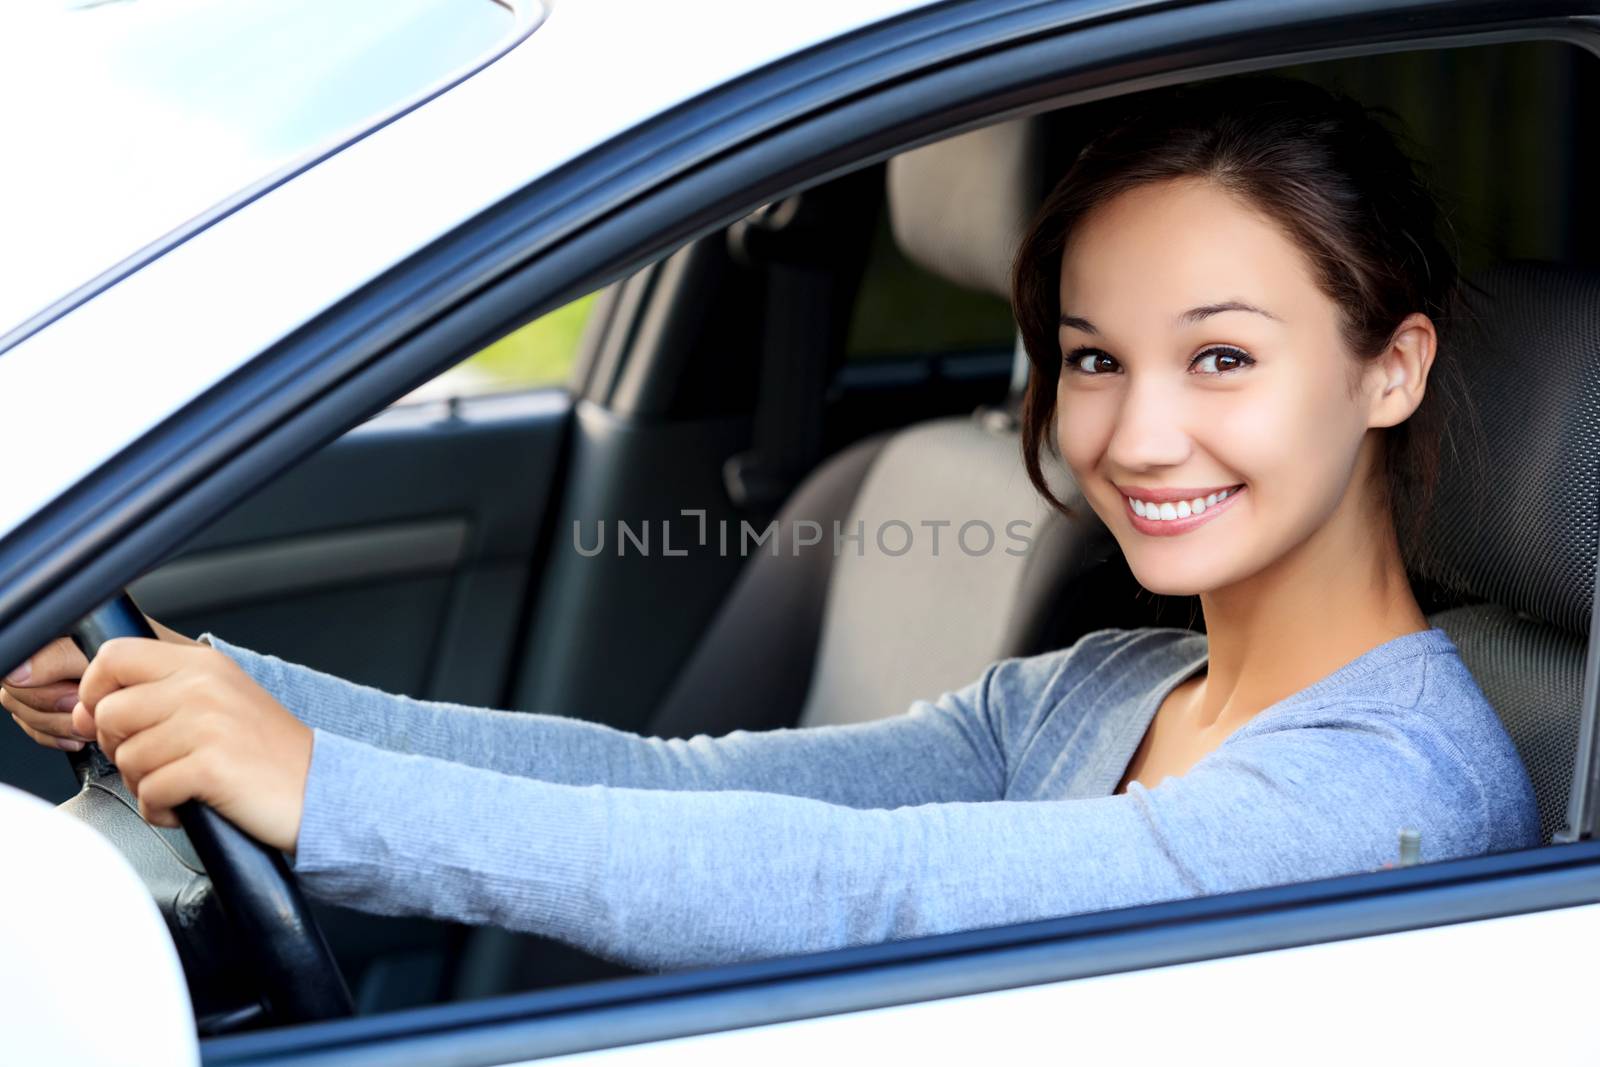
(1095, 974)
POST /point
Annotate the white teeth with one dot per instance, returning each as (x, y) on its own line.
(1181, 509)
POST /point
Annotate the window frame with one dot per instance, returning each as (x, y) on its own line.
(934, 73)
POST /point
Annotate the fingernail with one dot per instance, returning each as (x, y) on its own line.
(69, 746)
(67, 703)
(21, 675)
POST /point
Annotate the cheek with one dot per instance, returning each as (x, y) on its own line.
(1301, 436)
(1083, 426)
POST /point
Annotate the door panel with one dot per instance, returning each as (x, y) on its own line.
(398, 556)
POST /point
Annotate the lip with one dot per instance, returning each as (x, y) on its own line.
(1174, 527)
(1170, 496)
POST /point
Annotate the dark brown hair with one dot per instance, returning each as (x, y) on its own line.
(1326, 170)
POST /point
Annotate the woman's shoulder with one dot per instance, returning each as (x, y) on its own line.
(1415, 697)
(1419, 678)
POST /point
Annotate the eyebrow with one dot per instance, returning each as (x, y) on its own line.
(1188, 318)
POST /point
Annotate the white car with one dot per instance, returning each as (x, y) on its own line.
(455, 345)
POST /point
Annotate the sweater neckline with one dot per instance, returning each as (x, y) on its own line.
(1193, 655)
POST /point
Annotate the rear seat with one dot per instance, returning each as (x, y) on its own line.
(914, 608)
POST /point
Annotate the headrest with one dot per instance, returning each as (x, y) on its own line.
(958, 207)
(1519, 526)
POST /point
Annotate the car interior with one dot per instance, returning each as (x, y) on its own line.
(844, 360)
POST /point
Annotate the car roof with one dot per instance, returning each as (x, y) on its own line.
(207, 305)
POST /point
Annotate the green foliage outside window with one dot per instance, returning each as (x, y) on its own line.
(537, 355)
(540, 353)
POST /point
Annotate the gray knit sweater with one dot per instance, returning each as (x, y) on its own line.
(989, 805)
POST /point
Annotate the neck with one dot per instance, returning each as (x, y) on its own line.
(1338, 595)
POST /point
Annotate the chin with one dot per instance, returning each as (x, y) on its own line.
(1175, 577)
(1171, 586)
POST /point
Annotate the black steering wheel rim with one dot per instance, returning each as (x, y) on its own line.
(298, 978)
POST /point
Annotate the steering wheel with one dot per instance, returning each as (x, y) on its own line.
(232, 904)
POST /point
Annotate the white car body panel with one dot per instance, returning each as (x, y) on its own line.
(210, 304)
(88, 961)
(1469, 993)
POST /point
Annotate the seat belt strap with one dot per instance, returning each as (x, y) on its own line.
(787, 432)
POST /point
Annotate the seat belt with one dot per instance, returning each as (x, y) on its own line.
(788, 241)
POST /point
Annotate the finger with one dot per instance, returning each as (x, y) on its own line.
(58, 661)
(54, 723)
(126, 661)
(49, 740)
(148, 751)
(82, 721)
(128, 712)
(55, 697)
(165, 788)
(55, 726)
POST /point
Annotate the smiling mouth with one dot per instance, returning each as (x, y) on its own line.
(1170, 517)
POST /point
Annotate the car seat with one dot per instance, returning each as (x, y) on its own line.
(1514, 526)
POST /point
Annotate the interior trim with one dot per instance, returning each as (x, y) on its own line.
(301, 565)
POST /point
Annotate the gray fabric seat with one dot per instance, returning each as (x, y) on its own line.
(1515, 526)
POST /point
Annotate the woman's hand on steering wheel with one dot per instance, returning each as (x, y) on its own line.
(187, 723)
(41, 693)
(201, 744)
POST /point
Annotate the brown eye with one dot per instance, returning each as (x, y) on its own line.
(1091, 361)
(1220, 361)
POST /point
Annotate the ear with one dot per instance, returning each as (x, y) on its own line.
(1397, 379)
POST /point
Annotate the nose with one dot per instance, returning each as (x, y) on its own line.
(1151, 428)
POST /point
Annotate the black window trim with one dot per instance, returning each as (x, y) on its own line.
(579, 228)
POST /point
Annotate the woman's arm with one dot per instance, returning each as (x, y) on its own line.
(664, 880)
(947, 749)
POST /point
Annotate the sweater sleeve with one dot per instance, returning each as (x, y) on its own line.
(660, 879)
(946, 749)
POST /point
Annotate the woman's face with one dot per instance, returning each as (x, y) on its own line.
(1205, 377)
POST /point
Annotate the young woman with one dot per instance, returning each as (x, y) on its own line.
(1231, 303)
